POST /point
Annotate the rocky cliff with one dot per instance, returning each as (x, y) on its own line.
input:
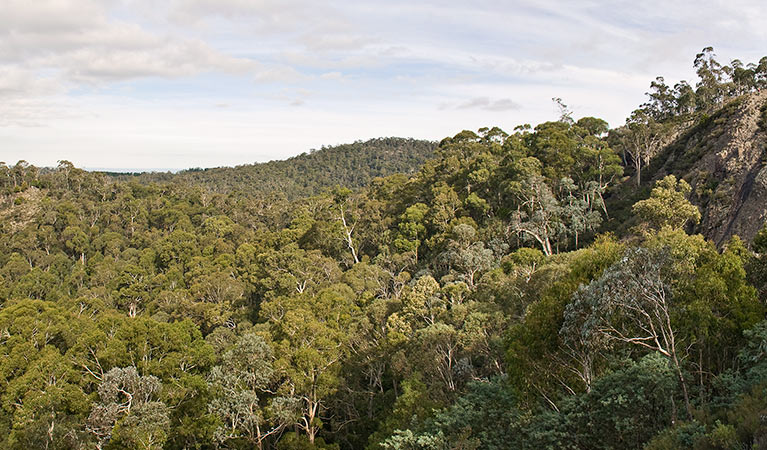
(724, 157)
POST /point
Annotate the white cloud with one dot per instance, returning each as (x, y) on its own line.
(488, 104)
(168, 58)
(29, 113)
(336, 42)
(79, 41)
(16, 82)
(332, 75)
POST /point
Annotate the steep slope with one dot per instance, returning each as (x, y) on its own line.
(724, 156)
(350, 165)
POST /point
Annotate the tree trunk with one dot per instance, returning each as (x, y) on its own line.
(348, 235)
(684, 386)
(547, 246)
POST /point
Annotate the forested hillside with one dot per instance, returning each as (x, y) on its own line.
(349, 165)
(545, 287)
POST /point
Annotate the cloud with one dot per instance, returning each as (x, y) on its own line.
(16, 82)
(336, 42)
(28, 99)
(169, 59)
(312, 24)
(332, 75)
(485, 103)
(30, 112)
(55, 16)
(262, 15)
(49, 48)
(79, 41)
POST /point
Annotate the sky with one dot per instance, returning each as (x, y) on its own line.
(173, 84)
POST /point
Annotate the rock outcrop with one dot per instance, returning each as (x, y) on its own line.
(724, 157)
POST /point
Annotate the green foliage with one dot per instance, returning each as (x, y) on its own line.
(763, 118)
(685, 435)
(668, 205)
(485, 417)
(623, 410)
(760, 240)
(295, 441)
(410, 410)
(129, 413)
(540, 366)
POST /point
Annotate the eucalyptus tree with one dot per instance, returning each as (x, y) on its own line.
(632, 302)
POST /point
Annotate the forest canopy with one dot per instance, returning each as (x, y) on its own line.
(544, 287)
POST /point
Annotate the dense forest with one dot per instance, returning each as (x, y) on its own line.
(543, 288)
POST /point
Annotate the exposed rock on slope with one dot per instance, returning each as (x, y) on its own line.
(724, 157)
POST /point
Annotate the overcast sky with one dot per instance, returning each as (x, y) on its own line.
(153, 84)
